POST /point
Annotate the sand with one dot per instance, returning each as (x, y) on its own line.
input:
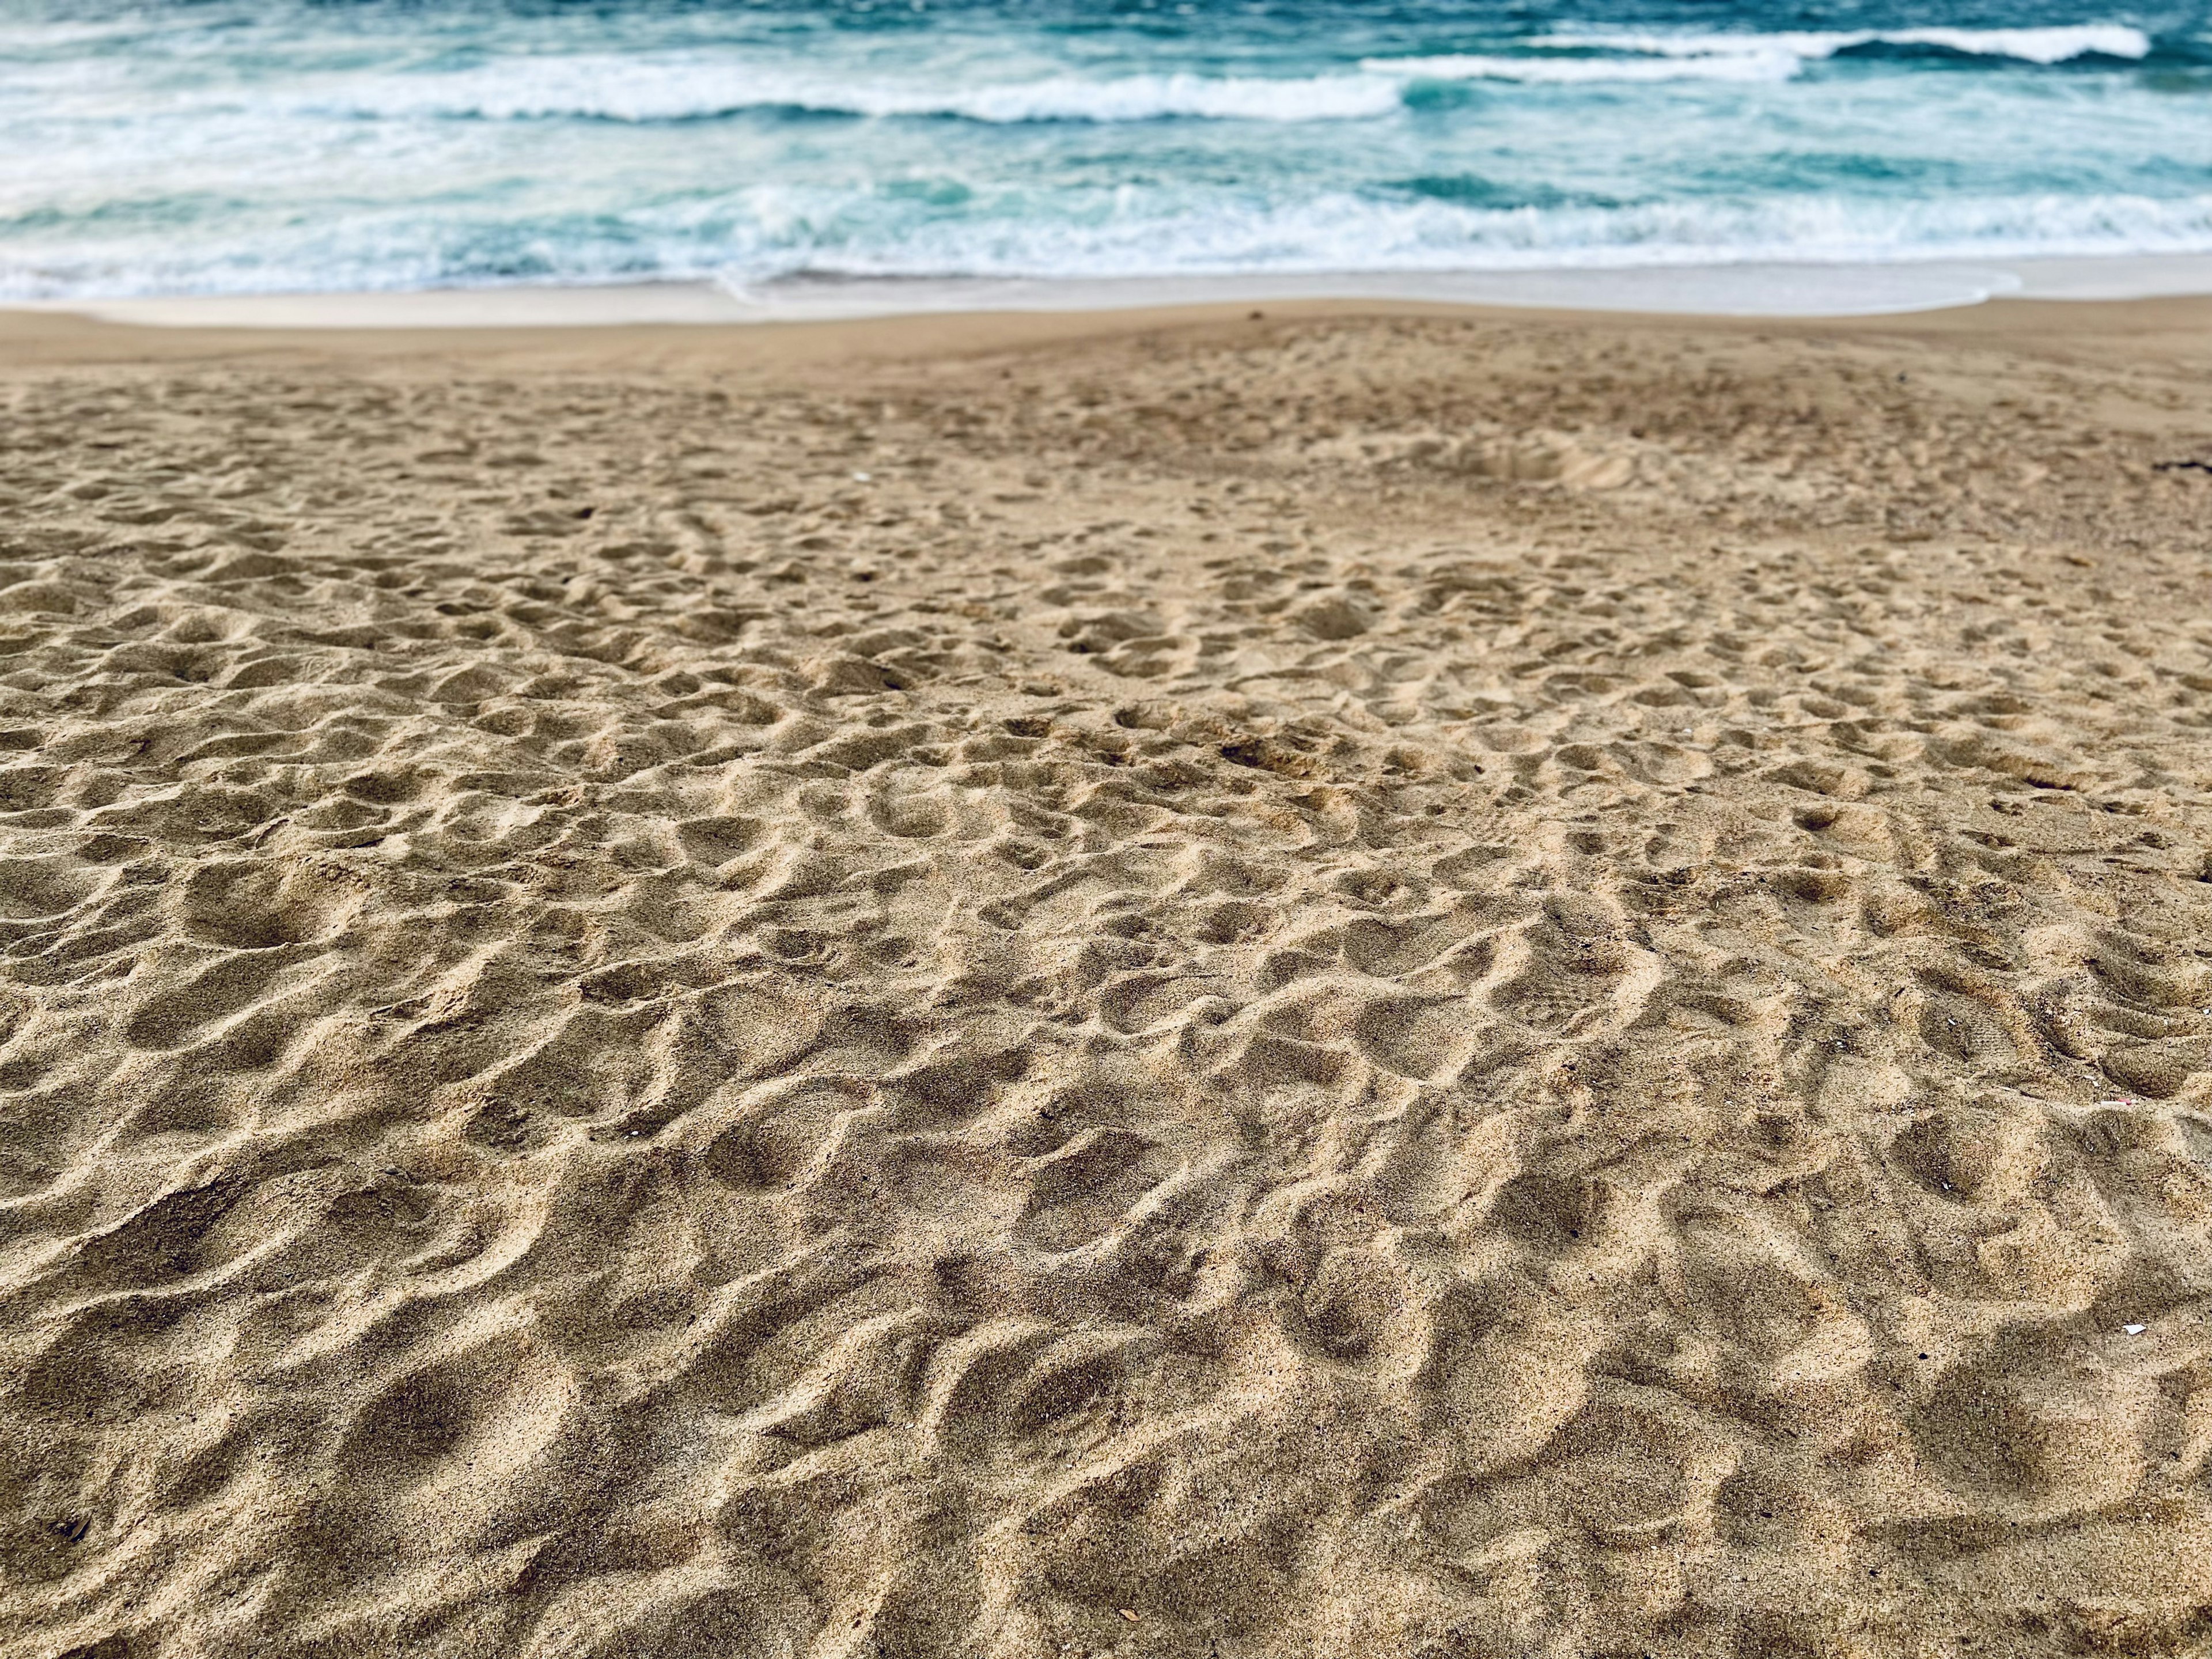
(1365, 982)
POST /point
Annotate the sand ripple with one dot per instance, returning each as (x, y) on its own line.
(1552, 1002)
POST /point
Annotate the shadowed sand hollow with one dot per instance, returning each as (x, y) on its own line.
(1350, 983)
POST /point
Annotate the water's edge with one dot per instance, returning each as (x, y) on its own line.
(1740, 290)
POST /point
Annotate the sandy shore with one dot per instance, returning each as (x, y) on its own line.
(1364, 981)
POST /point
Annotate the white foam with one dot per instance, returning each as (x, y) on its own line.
(692, 88)
(1774, 65)
(1774, 56)
(769, 234)
(1340, 231)
(665, 89)
(706, 83)
(2033, 45)
(1151, 97)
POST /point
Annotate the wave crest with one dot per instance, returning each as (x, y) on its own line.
(2056, 45)
(1764, 65)
(1768, 57)
(648, 89)
(640, 90)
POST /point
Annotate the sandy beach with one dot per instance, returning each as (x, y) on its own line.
(1329, 980)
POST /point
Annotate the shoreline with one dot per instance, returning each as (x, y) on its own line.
(1749, 290)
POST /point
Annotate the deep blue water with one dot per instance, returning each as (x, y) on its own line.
(225, 146)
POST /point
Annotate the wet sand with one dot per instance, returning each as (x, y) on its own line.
(1366, 980)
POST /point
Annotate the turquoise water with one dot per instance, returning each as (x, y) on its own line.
(222, 147)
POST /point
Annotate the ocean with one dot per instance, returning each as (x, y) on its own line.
(176, 147)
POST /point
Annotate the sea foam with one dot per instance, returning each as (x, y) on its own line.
(2028, 45)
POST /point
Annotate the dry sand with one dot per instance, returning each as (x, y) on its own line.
(1361, 983)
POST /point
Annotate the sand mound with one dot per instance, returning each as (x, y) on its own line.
(1359, 987)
